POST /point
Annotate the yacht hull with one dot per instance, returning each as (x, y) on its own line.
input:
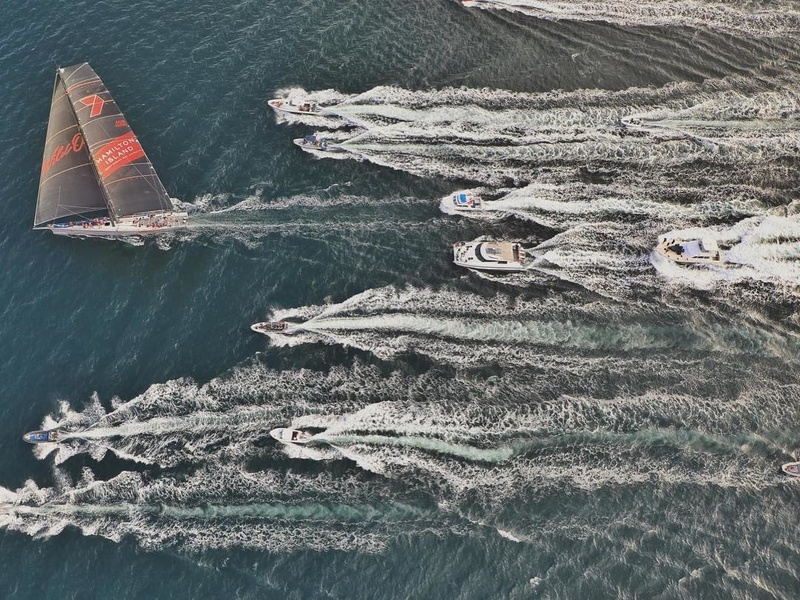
(125, 227)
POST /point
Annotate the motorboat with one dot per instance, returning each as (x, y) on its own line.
(466, 202)
(43, 436)
(295, 107)
(792, 469)
(268, 327)
(703, 251)
(288, 435)
(315, 142)
(490, 256)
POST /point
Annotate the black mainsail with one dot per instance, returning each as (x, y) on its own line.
(92, 159)
(126, 176)
(68, 184)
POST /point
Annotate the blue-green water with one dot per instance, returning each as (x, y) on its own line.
(603, 425)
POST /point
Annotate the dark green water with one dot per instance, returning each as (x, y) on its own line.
(603, 425)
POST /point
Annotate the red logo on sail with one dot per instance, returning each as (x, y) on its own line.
(96, 102)
(117, 153)
(76, 144)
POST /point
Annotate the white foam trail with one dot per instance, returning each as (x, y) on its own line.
(760, 19)
(468, 330)
(206, 510)
(472, 444)
(465, 451)
(495, 137)
(567, 205)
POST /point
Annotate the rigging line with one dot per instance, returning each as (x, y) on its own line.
(59, 132)
(62, 172)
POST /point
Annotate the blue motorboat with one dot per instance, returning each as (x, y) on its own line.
(44, 436)
(466, 202)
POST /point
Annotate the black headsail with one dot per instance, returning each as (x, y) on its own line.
(126, 175)
(68, 184)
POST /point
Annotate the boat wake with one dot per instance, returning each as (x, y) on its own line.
(759, 19)
(223, 508)
(470, 331)
(471, 447)
(499, 138)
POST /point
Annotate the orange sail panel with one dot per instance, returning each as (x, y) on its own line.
(116, 154)
(127, 178)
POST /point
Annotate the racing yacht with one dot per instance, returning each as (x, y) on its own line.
(287, 435)
(490, 256)
(687, 252)
(96, 180)
(288, 105)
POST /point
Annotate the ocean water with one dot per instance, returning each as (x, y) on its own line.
(602, 425)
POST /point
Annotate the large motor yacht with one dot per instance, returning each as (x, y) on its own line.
(490, 256)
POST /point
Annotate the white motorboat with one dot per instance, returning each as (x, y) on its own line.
(792, 469)
(703, 251)
(96, 180)
(295, 107)
(466, 202)
(315, 142)
(267, 327)
(288, 435)
(490, 256)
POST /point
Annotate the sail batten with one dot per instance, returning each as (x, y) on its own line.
(117, 157)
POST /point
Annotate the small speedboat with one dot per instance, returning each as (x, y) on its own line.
(268, 327)
(44, 436)
(466, 202)
(303, 107)
(287, 435)
(686, 252)
(315, 142)
(490, 256)
(792, 468)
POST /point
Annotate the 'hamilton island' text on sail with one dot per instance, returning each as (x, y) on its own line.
(117, 153)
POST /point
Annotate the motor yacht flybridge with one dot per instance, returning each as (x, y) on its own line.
(96, 180)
